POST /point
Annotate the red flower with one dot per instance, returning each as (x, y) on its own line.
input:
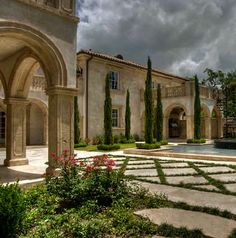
(65, 150)
(59, 158)
(109, 168)
(53, 154)
(81, 163)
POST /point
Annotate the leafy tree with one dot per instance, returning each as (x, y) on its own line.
(76, 122)
(127, 117)
(159, 116)
(197, 110)
(224, 91)
(148, 105)
(108, 138)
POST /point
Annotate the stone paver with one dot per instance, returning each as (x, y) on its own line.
(140, 166)
(153, 179)
(224, 177)
(212, 226)
(179, 165)
(194, 197)
(209, 187)
(141, 162)
(141, 172)
(185, 179)
(217, 169)
(231, 187)
(179, 171)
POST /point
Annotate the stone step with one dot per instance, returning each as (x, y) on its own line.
(211, 226)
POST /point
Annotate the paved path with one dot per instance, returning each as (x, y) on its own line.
(194, 197)
(211, 226)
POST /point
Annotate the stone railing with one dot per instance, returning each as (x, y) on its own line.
(59, 6)
(38, 84)
(179, 91)
(205, 92)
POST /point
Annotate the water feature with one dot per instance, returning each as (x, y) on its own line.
(202, 149)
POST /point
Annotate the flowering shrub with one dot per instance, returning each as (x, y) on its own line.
(80, 181)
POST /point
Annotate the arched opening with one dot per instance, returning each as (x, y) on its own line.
(36, 122)
(29, 49)
(216, 124)
(205, 122)
(177, 123)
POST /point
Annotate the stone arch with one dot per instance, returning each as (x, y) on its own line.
(175, 123)
(22, 74)
(47, 53)
(3, 82)
(37, 122)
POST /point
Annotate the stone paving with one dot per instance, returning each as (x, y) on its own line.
(210, 225)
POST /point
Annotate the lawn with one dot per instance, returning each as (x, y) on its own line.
(94, 147)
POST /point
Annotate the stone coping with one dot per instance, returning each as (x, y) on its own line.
(166, 153)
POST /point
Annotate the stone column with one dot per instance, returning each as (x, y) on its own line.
(60, 124)
(190, 127)
(165, 128)
(16, 132)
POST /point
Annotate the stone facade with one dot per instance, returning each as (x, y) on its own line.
(37, 35)
(177, 98)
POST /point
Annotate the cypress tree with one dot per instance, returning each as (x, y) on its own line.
(76, 122)
(197, 111)
(108, 138)
(127, 117)
(159, 116)
(148, 105)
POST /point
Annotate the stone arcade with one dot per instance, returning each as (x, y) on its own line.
(37, 35)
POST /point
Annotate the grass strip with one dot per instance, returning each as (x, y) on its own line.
(211, 181)
(160, 172)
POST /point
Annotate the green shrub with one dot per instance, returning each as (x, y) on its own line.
(136, 137)
(81, 144)
(12, 210)
(116, 139)
(196, 141)
(123, 139)
(79, 182)
(164, 142)
(108, 147)
(147, 146)
(97, 140)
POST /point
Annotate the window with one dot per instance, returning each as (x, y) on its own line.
(114, 80)
(115, 118)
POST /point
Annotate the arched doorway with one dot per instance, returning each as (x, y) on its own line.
(205, 122)
(216, 124)
(177, 123)
(36, 123)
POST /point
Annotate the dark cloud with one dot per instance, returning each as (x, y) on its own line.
(182, 37)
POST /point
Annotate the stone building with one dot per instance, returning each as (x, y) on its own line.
(177, 98)
(38, 76)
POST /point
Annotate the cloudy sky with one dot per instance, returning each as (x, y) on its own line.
(181, 36)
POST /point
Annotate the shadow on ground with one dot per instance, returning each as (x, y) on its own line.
(12, 174)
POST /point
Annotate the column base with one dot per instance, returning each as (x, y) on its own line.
(51, 171)
(16, 162)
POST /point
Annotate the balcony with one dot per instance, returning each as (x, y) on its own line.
(62, 7)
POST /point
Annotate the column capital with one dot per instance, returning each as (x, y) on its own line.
(21, 101)
(62, 91)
